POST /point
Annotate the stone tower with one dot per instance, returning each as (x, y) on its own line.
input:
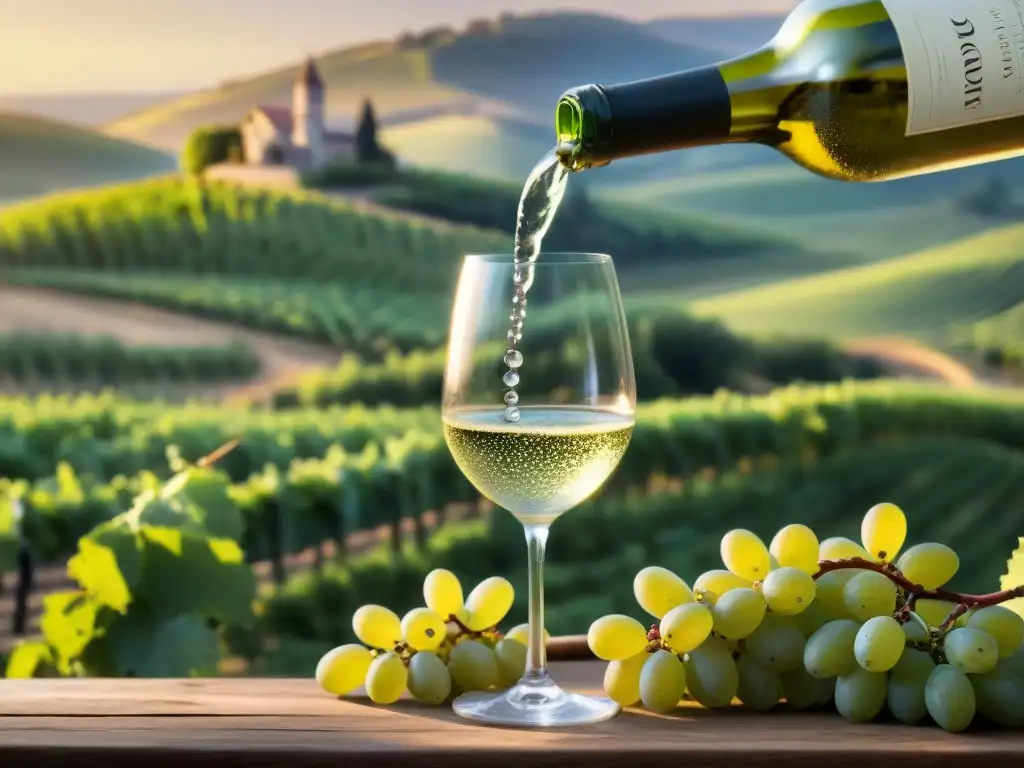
(308, 112)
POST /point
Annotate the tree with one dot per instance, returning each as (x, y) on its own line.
(368, 148)
(366, 134)
(209, 145)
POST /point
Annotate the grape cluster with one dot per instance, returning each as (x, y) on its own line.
(815, 624)
(448, 647)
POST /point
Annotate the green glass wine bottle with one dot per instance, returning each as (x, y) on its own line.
(858, 90)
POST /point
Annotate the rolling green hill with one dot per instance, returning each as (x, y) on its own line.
(927, 295)
(484, 146)
(521, 61)
(39, 156)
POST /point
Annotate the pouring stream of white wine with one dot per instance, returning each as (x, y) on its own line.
(542, 194)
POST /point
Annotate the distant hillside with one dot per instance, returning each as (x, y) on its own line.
(729, 35)
(38, 156)
(526, 62)
(925, 295)
(88, 109)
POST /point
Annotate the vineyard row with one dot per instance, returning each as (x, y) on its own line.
(27, 357)
(363, 471)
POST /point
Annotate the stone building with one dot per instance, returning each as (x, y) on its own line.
(297, 137)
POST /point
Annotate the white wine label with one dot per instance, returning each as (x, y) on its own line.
(964, 59)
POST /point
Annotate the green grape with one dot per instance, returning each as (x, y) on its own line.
(662, 682)
(622, 679)
(777, 645)
(829, 651)
(869, 594)
(343, 669)
(686, 626)
(829, 592)
(711, 674)
(1003, 624)
(377, 627)
(929, 565)
(429, 680)
(1000, 698)
(713, 584)
(860, 695)
(1014, 664)
(442, 592)
(934, 612)
(913, 629)
(616, 637)
(971, 651)
(423, 630)
(907, 680)
(658, 590)
(744, 554)
(879, 644)
(950, 698)
(883, 531)
(788, 591)
(812, 619)
(738, 613)
(511, 656)
(386, 678)
(841, 548)
(759, 689)
(488, 603)
(521, 632)
(473, 666)
(802, 690)
(796, 546)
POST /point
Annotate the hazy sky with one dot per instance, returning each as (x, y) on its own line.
(144, 45)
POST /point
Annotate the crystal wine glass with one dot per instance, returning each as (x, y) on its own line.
(538, 413)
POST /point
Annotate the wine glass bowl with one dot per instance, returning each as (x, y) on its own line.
(538, 410)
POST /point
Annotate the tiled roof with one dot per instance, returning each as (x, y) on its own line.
(281, 117)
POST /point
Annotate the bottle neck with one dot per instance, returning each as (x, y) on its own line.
(596, 125)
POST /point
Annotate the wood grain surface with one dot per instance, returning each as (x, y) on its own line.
(291, 723)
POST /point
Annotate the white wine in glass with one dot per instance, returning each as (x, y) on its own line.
(542, 440)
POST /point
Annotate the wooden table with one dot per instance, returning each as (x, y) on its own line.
(291, 723)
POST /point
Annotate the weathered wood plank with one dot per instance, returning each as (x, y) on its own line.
(227, 722)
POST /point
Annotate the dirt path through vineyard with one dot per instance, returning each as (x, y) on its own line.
(37, 309)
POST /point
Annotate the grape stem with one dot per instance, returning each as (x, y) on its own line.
(964, 602)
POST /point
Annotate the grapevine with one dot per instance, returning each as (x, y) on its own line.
(155, 587)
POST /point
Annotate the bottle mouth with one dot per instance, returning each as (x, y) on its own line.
(580, 124)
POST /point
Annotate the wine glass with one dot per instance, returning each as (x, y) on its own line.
(537, 413)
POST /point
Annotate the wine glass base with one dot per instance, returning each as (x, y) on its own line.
(530, 706)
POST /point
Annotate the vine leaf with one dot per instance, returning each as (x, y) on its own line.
(68, 623)
(28, 659)
(108, 564)
(185, 573)
(177, 646)
(1015, 577)
(203, 496)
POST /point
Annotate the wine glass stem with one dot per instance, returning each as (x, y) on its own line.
(536, 656)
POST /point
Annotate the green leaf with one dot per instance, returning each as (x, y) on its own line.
(68, 623)
(1014, 577)
(145, 645)
(168, 513)
(207, 491)
(108, 564)
(186, 573)
(28, 660)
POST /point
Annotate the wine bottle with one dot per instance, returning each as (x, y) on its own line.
(858, 90)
